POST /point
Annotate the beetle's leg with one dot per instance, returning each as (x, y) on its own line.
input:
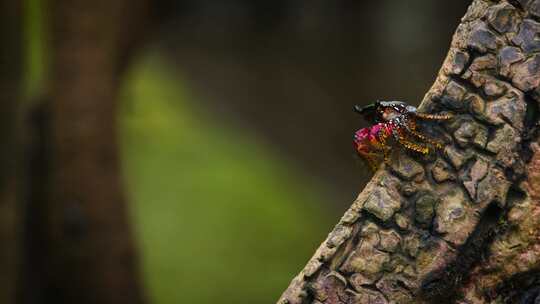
(373, 163)
(411, 145)
(412, 131)
(365, 150)
(386, 152)
(384, 146)
(370, 159)
(411, 128)
(427, 116)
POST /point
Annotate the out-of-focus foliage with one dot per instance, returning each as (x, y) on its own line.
(216, 212)
(35, 35)
(214, 209)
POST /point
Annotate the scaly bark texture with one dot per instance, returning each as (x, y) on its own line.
(461, 227)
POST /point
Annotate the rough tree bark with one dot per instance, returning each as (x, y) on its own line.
(461, 227)
(10, 89)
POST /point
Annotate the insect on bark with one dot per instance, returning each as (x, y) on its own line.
(395, 123)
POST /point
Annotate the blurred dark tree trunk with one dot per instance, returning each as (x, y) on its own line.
(10, 88)
(91, 256)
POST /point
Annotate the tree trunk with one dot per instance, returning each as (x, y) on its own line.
(10, 89)
(92, 256)
(464, 226)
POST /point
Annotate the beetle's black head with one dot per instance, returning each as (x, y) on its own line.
(368, 112)
(381, 111)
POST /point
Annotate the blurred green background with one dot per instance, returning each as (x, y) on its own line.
(235, 129)
(215, 208)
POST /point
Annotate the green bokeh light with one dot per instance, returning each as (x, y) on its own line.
(220, 219)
